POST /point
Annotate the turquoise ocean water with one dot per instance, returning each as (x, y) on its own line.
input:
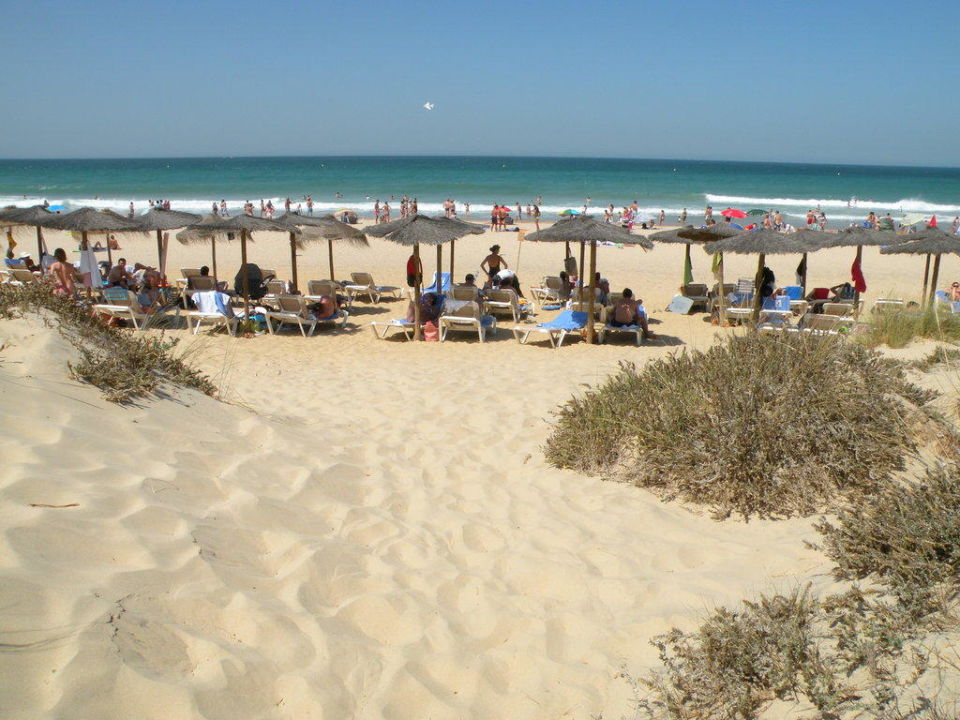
(844, 192)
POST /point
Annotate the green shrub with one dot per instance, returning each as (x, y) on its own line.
(899, 329)
(763, 424)
(906, 538)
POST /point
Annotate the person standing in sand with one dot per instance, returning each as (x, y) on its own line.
(683, 217)
(385, 212)
(494, 262)
(662, 219)
(376, 211)
(223, 207)
(536, 216)
(708, 214)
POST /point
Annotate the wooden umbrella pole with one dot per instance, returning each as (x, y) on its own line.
(721, 299)
(246, 275)
(926, 277)
(293, 262)
(109, 251)
(757, 286)
(566, 249)
(453, 244)
(686, 262)
(39, 244)
(416, 292)
(438, 285)
(593, 293)
(803, 278)
(933, 281)
(85, 245)
(330, 257)
(580, 267)
(160, 262)
(213, 253)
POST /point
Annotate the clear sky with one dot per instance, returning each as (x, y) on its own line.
(805, 80)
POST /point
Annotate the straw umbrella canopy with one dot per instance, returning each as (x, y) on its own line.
(761, 242)
(90, 220)
(859, 237)
(316, 228)
(585, 229)
(456, 223)
(244, 226)
(35, 216)
(160, 220)
(930, 241)
(672, 237)
(418, 230)
(706, 234)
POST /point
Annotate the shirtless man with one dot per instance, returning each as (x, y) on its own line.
(118, 275)
(708, 214)
(627, 312)
(777, 221)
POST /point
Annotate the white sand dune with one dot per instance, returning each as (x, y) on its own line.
(368, 530)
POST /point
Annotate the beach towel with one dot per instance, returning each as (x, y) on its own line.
(212, 302)
(687, 270)
(859, 283)
(569, 320)
(717, 266)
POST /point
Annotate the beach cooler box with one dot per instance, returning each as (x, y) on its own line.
(680, 304)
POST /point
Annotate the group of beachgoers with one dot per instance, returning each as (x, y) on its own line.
(625, 309)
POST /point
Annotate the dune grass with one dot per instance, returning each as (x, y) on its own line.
(759, 425)
(125, 366)
(897, 329)
(857, 653)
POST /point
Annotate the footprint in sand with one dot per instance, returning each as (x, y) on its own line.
(483, 539)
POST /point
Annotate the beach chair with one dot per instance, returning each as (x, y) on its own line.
(187, 273)
(122, 304)
(275, 288)
(316, 289)
(383, 328)
(715, 293)
(362, 283)
(566, 323)
(697, 292)
(22, 276)
(882, 305)
(549, 291)
(503, 300)
(445, 280)
(825, 324)
(794, 292)
(294, 309)
(213, 307)
(839, 309)
(197, 283)
(465, 293)
(634, 330)
(599, 310)
(467, 317)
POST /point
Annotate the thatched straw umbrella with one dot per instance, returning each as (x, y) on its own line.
(763, 243)
(467, 228)
(930, 241)
(858, 237)
(672, 237)
(585, 229)
(708, 234)
(89, 220)
(160, 220)
(35, 216)
(243, 225)
(419, 230)
(316, 228)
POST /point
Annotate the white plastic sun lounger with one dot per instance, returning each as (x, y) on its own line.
(467, 317)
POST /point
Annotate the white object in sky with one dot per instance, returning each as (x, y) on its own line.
(429, 105)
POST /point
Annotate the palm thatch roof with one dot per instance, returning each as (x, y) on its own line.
(213, 225)
(92, 221)
(583, 228)
(423, 230)
(324, 227)
(855, 235)
(165, 219)
(708, 233)
(672, 236)
(34, 215)
(931, 241)
(753, 242)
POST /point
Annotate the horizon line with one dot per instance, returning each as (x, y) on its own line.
(462, 156)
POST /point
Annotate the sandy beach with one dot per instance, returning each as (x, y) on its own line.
(360, 528)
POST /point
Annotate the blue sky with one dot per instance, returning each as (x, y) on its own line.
(841, 81)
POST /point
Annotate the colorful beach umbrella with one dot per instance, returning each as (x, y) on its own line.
(733, 213)
(569, 211)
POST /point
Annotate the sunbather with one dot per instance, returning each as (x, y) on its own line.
(65, 275)
(119, 276)
(628, 312)
(430, 311)
(507, 280)
(954, 292)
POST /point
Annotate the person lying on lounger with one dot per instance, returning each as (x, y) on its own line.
(627, 312)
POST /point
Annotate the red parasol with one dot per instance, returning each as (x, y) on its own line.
(733, 213)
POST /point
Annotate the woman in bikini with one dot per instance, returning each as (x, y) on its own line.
(493, 263)
(64, 274)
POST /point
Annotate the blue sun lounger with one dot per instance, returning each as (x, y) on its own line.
(567, 322)
(444, 284)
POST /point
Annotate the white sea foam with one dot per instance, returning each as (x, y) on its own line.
(903, 205)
